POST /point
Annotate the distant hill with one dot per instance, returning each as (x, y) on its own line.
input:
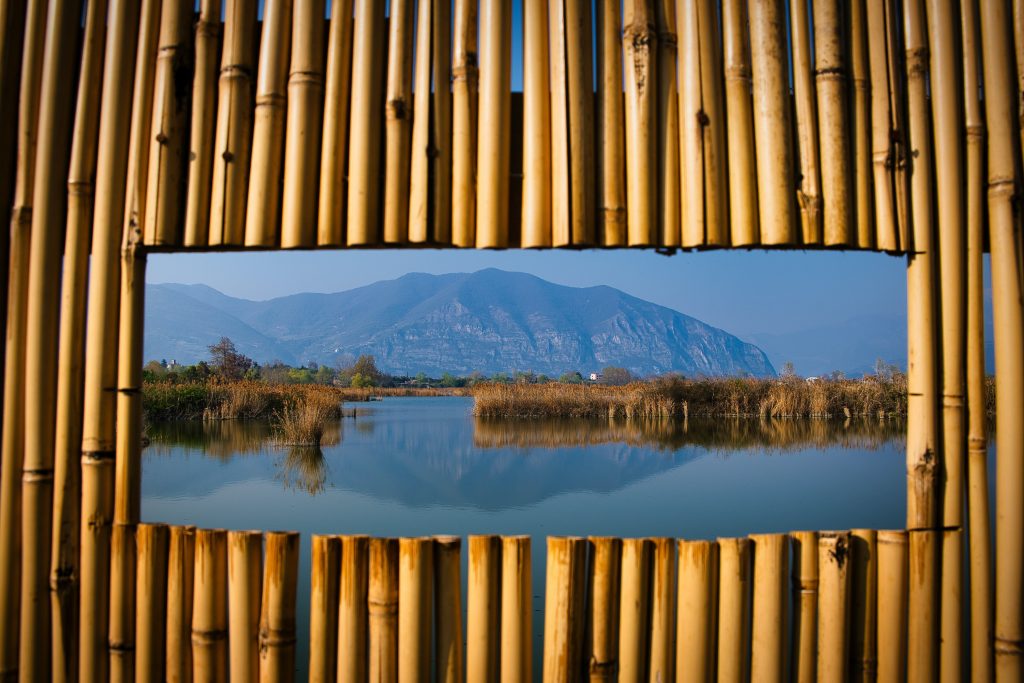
(490, 321)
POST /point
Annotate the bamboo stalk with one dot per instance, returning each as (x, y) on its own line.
(368, 45)
(152, 544)
(398, 115)
(805, 605)
(209, 607)
(180, 571)
(352, 609)
(734, 582)
(483, 609)
(716, 199)
(611, 125)
(860, 118)
(464, 114)
(1018, 40)
(892, 606)
(140, 136)
(12, 34)
(739, 125)
(204, 119)
(771, 122)
(580, 77)
(768, 639)
(634, 608)
(233, 137)
(323, 611)
(951, 606)
(831, 75)
(698, 599)
(561, 207)
(563, 609)
(899, 132)
(494, 140)
(334, 152)
(864, 605)
(603, 589)
(448, 609)
(663, 610)
(667, 122)
(277, 611)
(883, 159)
(383, 604)
(834, 558)
(415, 586)
(263, 208)
(640, 49)
(516, 610)
(923, 626)
(806, 111)
(245, 560)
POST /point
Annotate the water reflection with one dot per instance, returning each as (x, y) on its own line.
(304, 468)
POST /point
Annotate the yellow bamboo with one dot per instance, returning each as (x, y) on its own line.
(151, 542)
(892, 606)
(1018, 40)
(806, 112)
(603, 589)
(323, 609)
(768, 633)
(834, 560)
(563, 609)
(233, 138)
(805, 605)
(398, 114)
(611, 125)
(464, 114)
(334, 150)
(204, 118)
(415, 586)
(634, 608)
(12, 33)
(305, 126)
(734, 582)
(831, 76)
(493, 143)
(180, 570)
(697, 627)
(383, 607)
(640, 49)
(483, 609)
(923, 621)
(860, 119)
(352, 609)
(210, 607)
(952, 605)
(667, 121)
(448, 666)
(516, 610)
(716, 191)
(740, 125)
(663, 611)
(245, 560)
(580, 79)
(883, 160)
(899, 133)
(561, 206)
(864, 605)
(277, 611)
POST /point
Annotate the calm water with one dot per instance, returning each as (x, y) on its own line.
(421, 466)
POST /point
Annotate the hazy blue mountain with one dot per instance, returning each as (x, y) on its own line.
(490, 321)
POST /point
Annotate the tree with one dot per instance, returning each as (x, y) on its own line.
(616, 376)
(227, 362)
(571, 378)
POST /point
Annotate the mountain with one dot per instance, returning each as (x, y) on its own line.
(490, 321)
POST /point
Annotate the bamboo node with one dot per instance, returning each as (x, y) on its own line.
(1007, 646)
(208, 637)
(396, 109)
(81, 188)
(31, 476)
(468, 73)
(605, 669)
(271, 99)
(117, 647)
(97, 456)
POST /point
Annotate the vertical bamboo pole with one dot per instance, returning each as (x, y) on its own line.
(860, 118)
(323, 611)
(611, 125)
(368, 45)
(561, 206)
(864, 605)
(383, 603)
(666, 116)
(140, 136)
(743, 230)
(493, 142)
(830, 66)
(640, 48)
(483, 609)
(899, 132)
(771, 122)
(1003, 182)
(180, 570)
(806, 111)
(892, 606)
(1018, 39)
(305, 125)
(277, 612)
(233, 138)
(923, 626)
(563, 609)
(516, 610)
(334, 150)
(151, 542)
(580, 78)
(833, 605)
(734, 582)
(415, 586)
(204, 118)
(634, 608)
(768, 633)
(209, 607)
(245, 560)
(695, 643)
(448, 666)
(663, 610)
(883, 159)
(603, 588)
(352, 609)
(12, 34)
(805, 605)
(716, 190)
(398, 114)
(464, 113)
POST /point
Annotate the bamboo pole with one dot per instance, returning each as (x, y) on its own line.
(666, 116)
(233, 137)
(245, 560)
(263, 208)
(771, 122)
(864, 605)
(398, 115)
(516, 610)
(464, 114)
(368, 47)
(563, 609)
(805, 605)
(734, 582)
(768, 633)
(899, 133)
(483, 609)
(352, 609)
(834, 558)
(580, 78)
(663, 611)
(277, 609)
(1003, 181)
(210, 607)
(152, 544)
(448, 666)
(640, 49)
(323, 611)
(494, 140)
(383, 604)
(305, 125)
(716, 216)
(860, 119)
(611, 126)
(698, 599)
(603, 589)
(831, 75)
(806, 111)
(892, 606)
(923, 627)
(743, 230)
(883, 160)
(415, 586)
(12, 34)
(334, 152)
(180, 570)
(204, 119)
(634, 608)
(561, 207)
(951, 666)
(1018, 40)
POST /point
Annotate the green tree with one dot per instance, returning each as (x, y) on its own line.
(571, 378)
